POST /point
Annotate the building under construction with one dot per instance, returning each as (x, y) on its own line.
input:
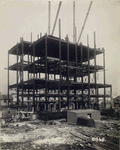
(53, 73)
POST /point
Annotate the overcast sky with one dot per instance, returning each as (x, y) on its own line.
(20, 18)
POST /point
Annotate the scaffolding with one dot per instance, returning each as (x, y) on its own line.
(58, 74)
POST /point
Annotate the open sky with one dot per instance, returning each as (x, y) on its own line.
(20, 18)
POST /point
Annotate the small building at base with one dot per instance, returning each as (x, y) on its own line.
(72, 115)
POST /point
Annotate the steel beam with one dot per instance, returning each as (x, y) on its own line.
(56, 17)
(84, 21)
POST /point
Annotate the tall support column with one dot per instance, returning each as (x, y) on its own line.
(59, 98)
(31, 36)
(8, 79)
(75, 77)
(81, 53)
(68, 89)
(31, 42)
(34, 76)
(96, 91)
(74, 38)
(49, 18)
(75, 34)
(46, 70)
(111, 94)
(38, 59)
(40, 35)
(28, 81)
(22, 72)
(37, 36)
(104, 78)
(17, 81)
(88, 72)
(60, 28)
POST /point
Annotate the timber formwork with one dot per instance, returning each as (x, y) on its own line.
(58, 74)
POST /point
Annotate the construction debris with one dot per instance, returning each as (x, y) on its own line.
(58, 134)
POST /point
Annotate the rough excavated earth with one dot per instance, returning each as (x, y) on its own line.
(59, 135)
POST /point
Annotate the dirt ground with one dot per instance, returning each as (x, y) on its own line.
(59, 135)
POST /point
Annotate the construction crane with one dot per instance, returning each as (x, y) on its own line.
(85, 21)
(56, 17)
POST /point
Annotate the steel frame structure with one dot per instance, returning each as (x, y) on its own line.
(58, 71)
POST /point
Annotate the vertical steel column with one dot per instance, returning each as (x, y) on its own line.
(8, 79)
(38, 58)
(34, 76)
(104, 78)
(75, 77)
(37, 36)
(88, 71)
(74, 22)
(31, 37)
(59, 99)
(28, 81)
(49, 17)
(40, 35)
(60, 29)
(17, 81)
(111, 93)
(31, 42)
(95, 65)
(46, 70)
(81, 50)
(33, 59)
(75, 34)
(22, 71)
(31, 54)
(68, 72)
